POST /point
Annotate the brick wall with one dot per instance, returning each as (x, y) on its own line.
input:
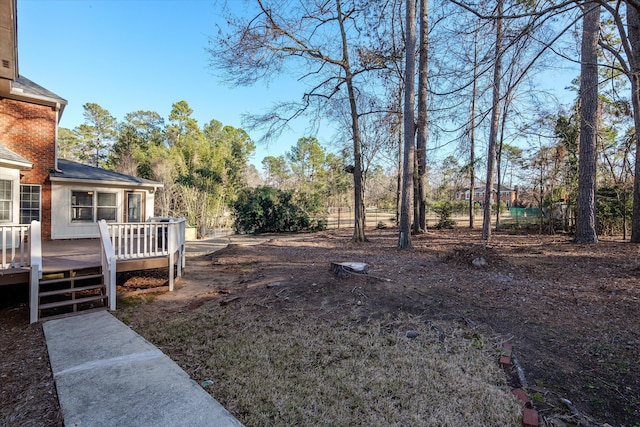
(29, 130)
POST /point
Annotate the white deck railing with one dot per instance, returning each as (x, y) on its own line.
(108, 263)
(146, 239)
(150, 239)
(15, 246)
(119, 241)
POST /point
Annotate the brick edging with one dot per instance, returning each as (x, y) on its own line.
(529, 415)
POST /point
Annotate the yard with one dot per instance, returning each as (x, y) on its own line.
(279, 340)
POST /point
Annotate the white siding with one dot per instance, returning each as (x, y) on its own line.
(61, 225)
(13, 175)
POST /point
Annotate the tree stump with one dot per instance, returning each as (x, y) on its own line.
(341, 269)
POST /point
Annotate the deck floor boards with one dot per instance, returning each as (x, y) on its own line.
(66, 255)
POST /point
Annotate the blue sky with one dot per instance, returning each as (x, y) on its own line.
(138, 55)
(129, 55)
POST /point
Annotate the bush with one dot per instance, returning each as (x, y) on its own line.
(444, 212)
(610, 209)
(270, 210)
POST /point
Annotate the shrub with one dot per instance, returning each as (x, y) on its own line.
(270, 210)
(444, 212)
(613, 203)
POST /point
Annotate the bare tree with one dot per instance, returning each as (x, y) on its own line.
(586, 213)
(633, 71)
(420, 220)
(493, 132)
(404, 239)
(319, 40)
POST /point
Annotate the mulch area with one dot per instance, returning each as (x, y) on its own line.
(570, 311)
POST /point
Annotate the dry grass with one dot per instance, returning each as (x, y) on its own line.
(288, 368)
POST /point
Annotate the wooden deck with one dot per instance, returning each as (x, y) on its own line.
(65, 255)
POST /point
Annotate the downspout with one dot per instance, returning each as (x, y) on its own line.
(55, 145)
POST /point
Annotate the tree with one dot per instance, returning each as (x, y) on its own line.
(420, 221)
(140, 131)
(321, 42)
(68, 144)
(277, 171)
(586, 213)
(404, 238)
(633, 72)
(306, 160)
(98, 133)
(472, 130)
(493, 132)
(184, 135)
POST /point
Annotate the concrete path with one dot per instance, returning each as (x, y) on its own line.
(108, 375)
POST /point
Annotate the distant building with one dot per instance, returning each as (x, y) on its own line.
(507, 195)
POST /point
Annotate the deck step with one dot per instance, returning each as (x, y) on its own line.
(71, 302)
(70, 279)
(73, 313)
(71, 290)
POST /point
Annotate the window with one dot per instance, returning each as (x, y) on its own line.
(83, 209)
(6, 200)
(107, 206)
(29, 203)
(82, 206)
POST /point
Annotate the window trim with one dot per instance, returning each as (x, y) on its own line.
(10, 200)
(95, 207)
(21, 209)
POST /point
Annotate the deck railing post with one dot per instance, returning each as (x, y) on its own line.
(171, 246)
(108, 262)
(34, 298)
(35, 258)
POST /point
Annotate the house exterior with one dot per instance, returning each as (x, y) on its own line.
(68, 198)
(84, 195)
(507, 195)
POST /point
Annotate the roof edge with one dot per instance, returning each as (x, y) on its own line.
(121, 184)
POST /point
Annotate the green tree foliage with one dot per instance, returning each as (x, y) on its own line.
(68, 144)
(140, 132)
(210, 163)
(97, 133)
(614, 208)
(277, 171)
(444, 211)
(267, 209)
(201, 169)
(307, 160)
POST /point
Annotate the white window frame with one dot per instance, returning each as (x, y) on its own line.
(10, 200)
(113, 207)
(94, 206)
(30, 208)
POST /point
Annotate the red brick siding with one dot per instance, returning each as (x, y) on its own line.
(29, 130)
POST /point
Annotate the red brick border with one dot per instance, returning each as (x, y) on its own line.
(529, 415)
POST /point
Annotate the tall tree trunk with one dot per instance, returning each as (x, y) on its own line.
(633, 22)
(399, 178)
(358, 187)
(586, 214)
(493, 132)
(505, 110)
(404, 238)
(399, 175)
(472, 132)
(420, 221)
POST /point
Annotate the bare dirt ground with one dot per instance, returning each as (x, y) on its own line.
(571, 311)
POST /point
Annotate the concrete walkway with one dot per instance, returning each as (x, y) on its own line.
(108, 375)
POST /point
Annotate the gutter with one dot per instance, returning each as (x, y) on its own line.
(107, 182)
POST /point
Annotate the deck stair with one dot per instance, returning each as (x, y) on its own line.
(64, 293)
